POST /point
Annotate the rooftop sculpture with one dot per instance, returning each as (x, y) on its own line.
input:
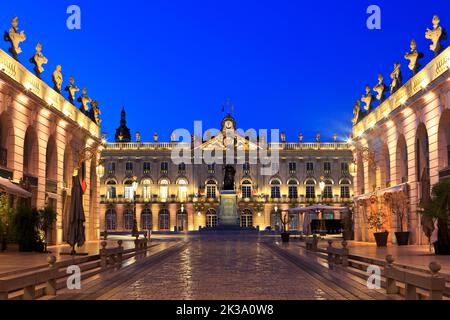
(15, 37)
(380, 89)
(436, 35)
(84, 99)
(413, 56)
(57, 78)
(38, 60)
(367, 99)
(72, 89)
(396, 77)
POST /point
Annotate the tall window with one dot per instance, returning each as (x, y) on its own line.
(147, 167)
(182, 168)
(128, 187)
(111, 219)
(246, 168)
(345, 189)
(328, 190)
(310, 189)
(292, 167)
(293, 189)
(111, 189)
(182, 190)
(275, 222)
(146, 219)
(211, 189)
(111, 168)
(327, 167)
(164, 190)
(128, 219)
(211, 218)
(164, 220)
(129, 167)
(309, 167)
(146, 189)
(246, 219)
(164, 167)
(211, 168)
(344, 168)
(275, 192)
(246, 189)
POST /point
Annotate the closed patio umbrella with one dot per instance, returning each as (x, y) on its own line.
(307, 224)
(76, 236)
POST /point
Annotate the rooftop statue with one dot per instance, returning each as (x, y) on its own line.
(380, 88)
(436, 36)
(356, 112)
(95, 113)
(413, 56)
(15, 37)
(72, 89)
(57, 78)
(84, 99)
(367, 99)
(38, 60)
(396, 77)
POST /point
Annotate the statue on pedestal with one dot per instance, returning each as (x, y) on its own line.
(367, 99)
(396, 77)
(57, 78)
(15, 37)
(72, 89)
(38, 60)
(413, 56)
(380, 88)
(84, 99)
(228, 180)
(95, 113)
(436, 36)
(356, 112)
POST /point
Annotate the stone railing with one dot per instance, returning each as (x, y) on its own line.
(42, 281)
(50, 98)
(416, 84)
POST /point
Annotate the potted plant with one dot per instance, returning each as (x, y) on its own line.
(400, 210)
(437, 209)
(376, 221)
(6, 216)
(47, 217)
(26, 226)
(284, 219)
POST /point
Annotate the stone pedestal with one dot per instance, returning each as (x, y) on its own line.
(228, 215)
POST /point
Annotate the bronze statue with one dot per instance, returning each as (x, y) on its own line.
(228, 180)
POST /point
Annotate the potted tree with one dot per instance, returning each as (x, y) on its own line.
(376, 220)
(26, 226)
(6, 216)
(47, 217)
(399, 207)
(438, 210)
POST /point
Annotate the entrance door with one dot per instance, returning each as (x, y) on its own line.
(182, 222)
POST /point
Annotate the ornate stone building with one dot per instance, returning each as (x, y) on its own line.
(186, 196)
(402, 144)
(41, 137)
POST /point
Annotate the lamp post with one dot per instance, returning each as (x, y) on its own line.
(135, 231)
(322, 221)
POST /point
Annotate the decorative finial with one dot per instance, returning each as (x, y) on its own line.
(300, 137)
(72, 89)
(356, 112)
(436, 36)
(138, 136)
(335, 137)
(380, 88)
(95, 112)
(84, 99)
(367, 99)
(38, 60)
(15, 37)
(57, 78)
(413, 56)
(318, 137)
(396, 77)
(155, 137)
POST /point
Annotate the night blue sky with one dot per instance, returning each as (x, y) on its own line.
(290, 65)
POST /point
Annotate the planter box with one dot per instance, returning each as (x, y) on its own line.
(402, 238)
(381, 238)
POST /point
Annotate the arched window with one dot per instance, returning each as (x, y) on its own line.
(246, 189)
(111, 189)
(246, 219)
(164, 189)
(293, 189)
(128, 219)
(164, 220)
(211, 189)
(182, 190)
(147, 189)
(146, 219)
(310, 189)
(111, 219)
(211, 218)
(345, 189)
(128, 188)
(275, 189)
(328, 190)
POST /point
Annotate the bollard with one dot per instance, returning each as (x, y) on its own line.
(103, 256)
(437, 282)
(50, 287)
(119, 255)
(330, 253)
(391, 285)
(345, 253)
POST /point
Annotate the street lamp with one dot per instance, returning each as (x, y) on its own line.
(135, 231)
(322, 185)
